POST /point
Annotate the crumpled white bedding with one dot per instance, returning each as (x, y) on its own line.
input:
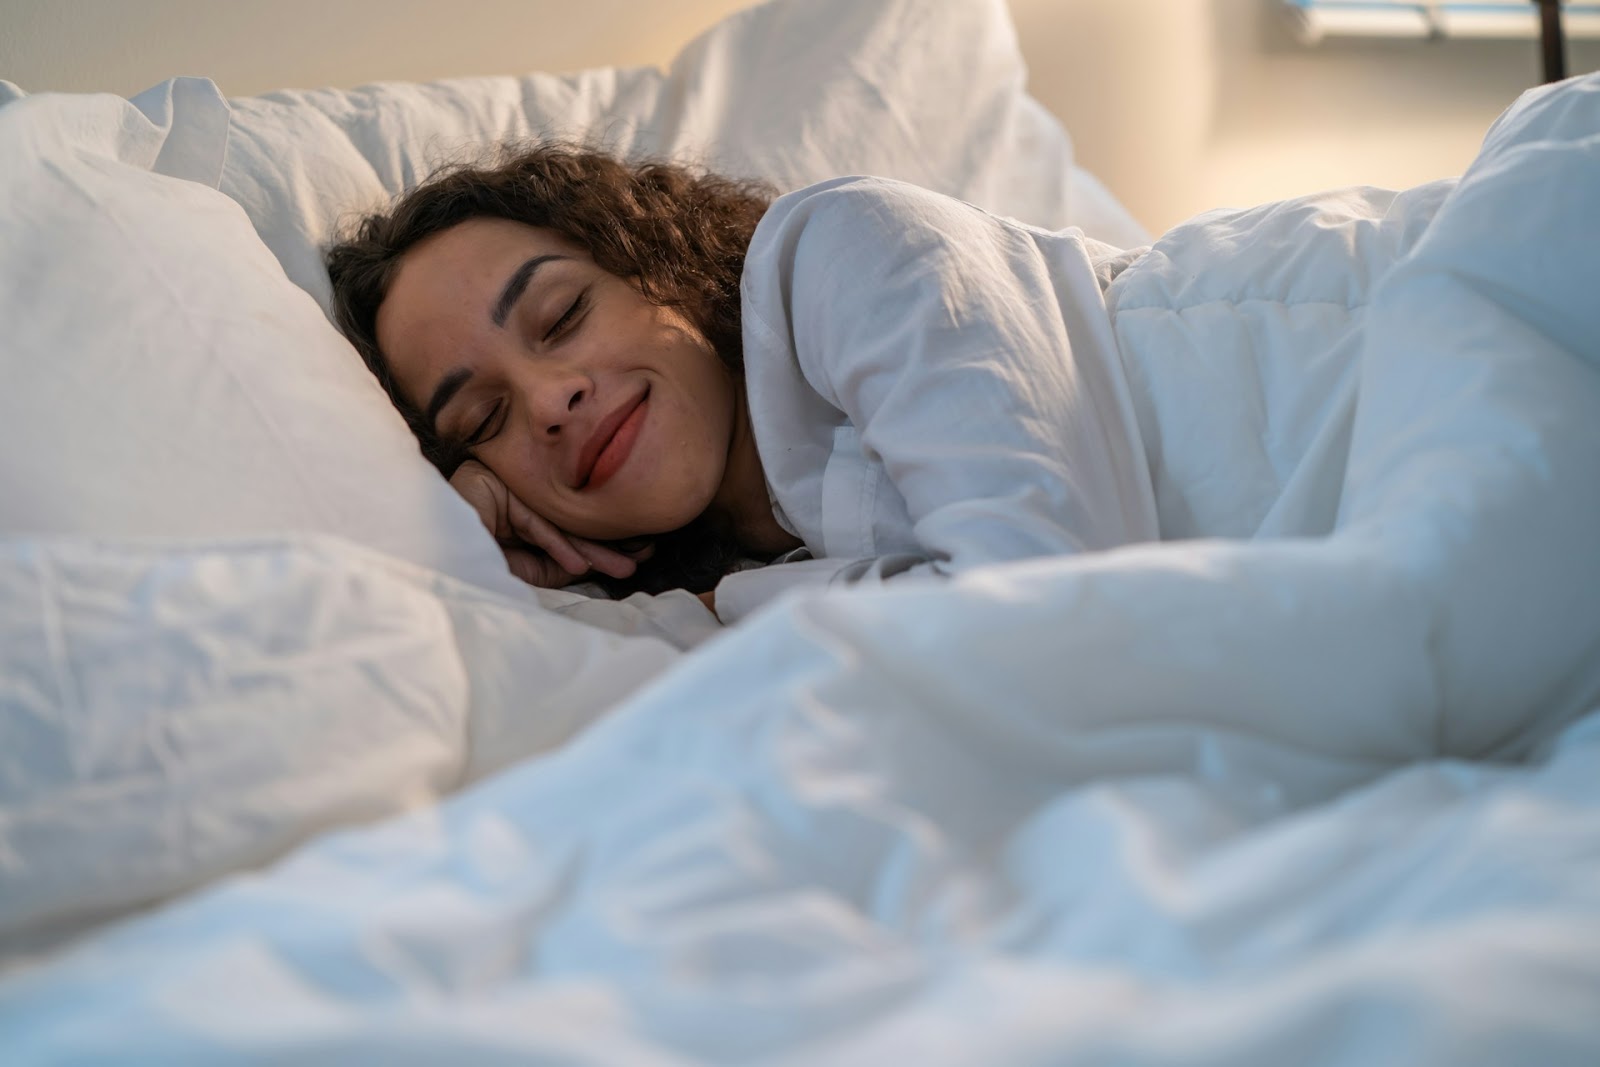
(1138, 807)
(174, 711)
(854, 875)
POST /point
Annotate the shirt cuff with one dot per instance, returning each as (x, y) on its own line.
(742, 592)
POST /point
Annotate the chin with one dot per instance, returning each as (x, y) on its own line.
(669, 504)
(654, 524)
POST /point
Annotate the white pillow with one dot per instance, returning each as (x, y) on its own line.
(172, 711)
(161, 377)
(794, 91)
(175, 707)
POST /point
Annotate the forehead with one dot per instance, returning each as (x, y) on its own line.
(477, 251)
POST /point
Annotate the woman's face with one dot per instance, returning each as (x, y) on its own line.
(608, 415)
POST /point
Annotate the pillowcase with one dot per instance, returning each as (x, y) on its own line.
(793, 91)
(162, 378)
(181, 692)
(171, 711)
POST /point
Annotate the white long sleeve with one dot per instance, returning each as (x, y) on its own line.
(930, 383)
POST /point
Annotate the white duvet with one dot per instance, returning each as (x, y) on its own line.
(1161, 805)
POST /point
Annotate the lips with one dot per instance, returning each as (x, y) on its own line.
(609, 445)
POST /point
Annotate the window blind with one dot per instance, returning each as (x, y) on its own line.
(1316, 19)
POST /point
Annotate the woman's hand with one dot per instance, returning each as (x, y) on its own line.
(537, 551)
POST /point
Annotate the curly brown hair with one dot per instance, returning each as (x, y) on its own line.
(679, 233)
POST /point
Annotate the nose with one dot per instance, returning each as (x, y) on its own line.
(554, 395)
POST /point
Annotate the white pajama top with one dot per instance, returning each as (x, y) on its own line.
(931, 388)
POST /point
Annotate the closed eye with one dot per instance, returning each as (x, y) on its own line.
(570, 316)
(482, 434)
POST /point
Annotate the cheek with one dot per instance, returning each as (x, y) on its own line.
(718, 417)
(534, 488)
(516, 465)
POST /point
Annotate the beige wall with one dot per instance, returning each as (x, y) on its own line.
(251, 46)
(1183, 105)
(1179, 105)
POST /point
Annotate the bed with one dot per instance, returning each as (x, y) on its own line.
(291, 769)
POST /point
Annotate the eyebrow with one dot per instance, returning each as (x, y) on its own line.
(447, 388)
(515, 286)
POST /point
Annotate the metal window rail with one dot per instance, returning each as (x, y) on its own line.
(1551, 21)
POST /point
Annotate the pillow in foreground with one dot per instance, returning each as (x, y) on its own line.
(162, 376)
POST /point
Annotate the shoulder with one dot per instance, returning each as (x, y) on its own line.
(850, 210)
(826, 263)
(855, 193)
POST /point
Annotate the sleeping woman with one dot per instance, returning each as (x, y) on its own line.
(642, 374)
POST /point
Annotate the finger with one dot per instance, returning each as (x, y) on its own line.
(536, 530)
(483, 492)
(524, 565)
(605, 559)
(535, 568)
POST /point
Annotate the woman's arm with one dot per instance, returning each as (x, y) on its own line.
(931, 380)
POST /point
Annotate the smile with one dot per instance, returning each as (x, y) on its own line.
(612, 442)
